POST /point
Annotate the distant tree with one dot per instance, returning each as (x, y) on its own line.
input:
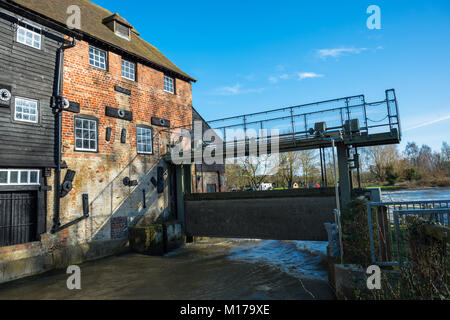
(445, 152)
(380, 158)
(412, 153)
(308, 164)
(425, 158)
(288, 167)
(249, 171)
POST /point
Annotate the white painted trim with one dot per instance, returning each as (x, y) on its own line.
(29, 100)
(19, 171)
(25, 40)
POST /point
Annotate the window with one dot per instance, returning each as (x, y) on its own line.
(169, 84)
(26, 110)
(28, 37)
(122, 31)
(97, 58)
(144, 140)
(19, 177)
(85, 135)
(128, 70)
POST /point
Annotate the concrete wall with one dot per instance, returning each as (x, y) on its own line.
(285, 215)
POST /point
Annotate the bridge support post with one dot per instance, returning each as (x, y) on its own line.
(344, 175)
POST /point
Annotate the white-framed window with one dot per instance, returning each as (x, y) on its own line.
(28, 37)
(97, 58)
(169, 84)
(128, 70)
(86, 134)
(145, 140)
(26, 110)
(19, 177)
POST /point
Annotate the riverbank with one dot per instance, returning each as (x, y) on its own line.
(412, 185)
(199, 271)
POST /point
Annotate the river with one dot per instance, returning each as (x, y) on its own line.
(208, 269)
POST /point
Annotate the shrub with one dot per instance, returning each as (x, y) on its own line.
(391, 175)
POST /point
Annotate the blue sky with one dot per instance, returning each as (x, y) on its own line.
(250, 56)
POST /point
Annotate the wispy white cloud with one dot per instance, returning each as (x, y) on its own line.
(235, 90)
(309, 75)
(427, 123)
(275, 79)
(337, 52)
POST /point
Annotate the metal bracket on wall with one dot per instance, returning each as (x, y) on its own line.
(85, 199)
(129, 183)
(63, 104)
(108, 133)
(123, 136)
(67, 184)
(119, 114)
(5, 96)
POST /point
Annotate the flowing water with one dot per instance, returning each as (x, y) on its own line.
(208, 269)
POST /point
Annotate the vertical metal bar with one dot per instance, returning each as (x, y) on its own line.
(377, 220)
(397, 237)
(338, 204)
(384, 234)
(321, 165)
(372, 242)
(306, 124)
(390, 232)
(325, 166)
(348, 109)
(389, 110)
(365, 114)
(293, 127)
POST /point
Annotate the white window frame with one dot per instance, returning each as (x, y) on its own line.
(26, 100)
(82, 132)
(33, 34)
(144, 144)
(19, 172)
(170, 83)
(133, 78)
(97, 53)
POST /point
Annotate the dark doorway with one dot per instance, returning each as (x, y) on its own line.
(18, 218)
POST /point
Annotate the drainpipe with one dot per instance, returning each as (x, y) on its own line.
(58, 120)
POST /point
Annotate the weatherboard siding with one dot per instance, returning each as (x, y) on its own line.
(31, 74)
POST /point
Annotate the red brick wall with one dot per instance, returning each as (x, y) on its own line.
(93, 88)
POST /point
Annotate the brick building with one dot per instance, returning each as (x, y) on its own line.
(115, 101)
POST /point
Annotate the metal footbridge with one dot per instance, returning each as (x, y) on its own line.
(362, 124)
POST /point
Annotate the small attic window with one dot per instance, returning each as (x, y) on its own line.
(122, 30)
(119, 26)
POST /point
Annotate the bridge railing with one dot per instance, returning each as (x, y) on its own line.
(388, 227)
(296, 121)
